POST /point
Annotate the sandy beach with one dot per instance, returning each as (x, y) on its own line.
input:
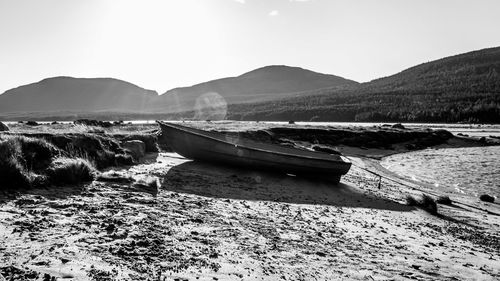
(207, 222)
(228, 140)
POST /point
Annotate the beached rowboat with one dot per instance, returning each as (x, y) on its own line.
(223, 149)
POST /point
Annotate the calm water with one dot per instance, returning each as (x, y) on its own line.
(472, 171)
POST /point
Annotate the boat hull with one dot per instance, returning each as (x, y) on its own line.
(218, 148)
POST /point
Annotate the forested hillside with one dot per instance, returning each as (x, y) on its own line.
(462, 88)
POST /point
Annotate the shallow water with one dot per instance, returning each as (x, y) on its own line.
(472, 170)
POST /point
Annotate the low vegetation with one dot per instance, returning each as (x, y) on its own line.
(60, 154)
(37, 153)
(26, 162)
(91, 122)
(12, 166)
(70, 171)
(23, 161)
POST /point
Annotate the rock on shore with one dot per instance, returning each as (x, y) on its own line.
(3, 127)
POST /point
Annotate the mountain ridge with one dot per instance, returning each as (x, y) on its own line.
(50, 94)
(462, 87)
(66, 93)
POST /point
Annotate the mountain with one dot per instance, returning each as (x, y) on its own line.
(76, 94)
(262, 84)
(92, 95)
(460, 88)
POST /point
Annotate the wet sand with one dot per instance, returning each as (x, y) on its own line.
(206, 222)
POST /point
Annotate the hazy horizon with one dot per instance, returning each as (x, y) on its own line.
(160, 45)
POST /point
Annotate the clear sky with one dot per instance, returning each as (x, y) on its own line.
(162, 44)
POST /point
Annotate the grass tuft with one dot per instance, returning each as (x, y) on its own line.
(93, 148)
(9, 147)
(70, 171)
(37, 153)
(13, 173)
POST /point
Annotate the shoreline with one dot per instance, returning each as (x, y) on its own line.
(209, 222)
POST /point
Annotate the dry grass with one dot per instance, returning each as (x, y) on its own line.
(26, 162)
(42, 156)
(37, 153)
(95, 149)
(13, 171)
(67, 127)
(71, 171)
(9, 147)
(13, 174)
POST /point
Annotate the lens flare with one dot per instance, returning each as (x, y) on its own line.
(210, 106)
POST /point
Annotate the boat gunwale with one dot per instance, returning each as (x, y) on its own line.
(341, 160)
(340, 163)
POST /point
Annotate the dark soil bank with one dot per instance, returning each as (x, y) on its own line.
(393, 138)
(368, 138)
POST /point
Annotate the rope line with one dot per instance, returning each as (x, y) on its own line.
(413, 187)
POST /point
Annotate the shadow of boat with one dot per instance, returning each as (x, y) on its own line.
(218, 181)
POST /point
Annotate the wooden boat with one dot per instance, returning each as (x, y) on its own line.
(223, 149)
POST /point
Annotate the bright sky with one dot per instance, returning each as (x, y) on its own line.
(162, 44)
